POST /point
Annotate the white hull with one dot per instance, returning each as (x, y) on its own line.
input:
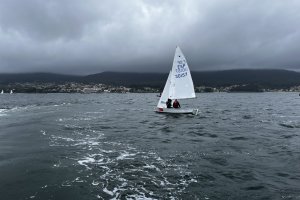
(177, 111)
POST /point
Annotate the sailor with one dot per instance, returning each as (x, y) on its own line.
(169, 103)
(176, 104)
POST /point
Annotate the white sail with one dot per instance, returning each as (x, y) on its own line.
(11, 91)
(178, 86)
(181, 86)
(165, 94)
(2, 92)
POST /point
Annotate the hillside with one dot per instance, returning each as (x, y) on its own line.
(264, 77)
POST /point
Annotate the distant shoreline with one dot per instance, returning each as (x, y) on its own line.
(263, 80)
(103, 88)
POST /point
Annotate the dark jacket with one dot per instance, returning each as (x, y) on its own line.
(169, 103)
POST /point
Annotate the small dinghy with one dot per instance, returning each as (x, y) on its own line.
(179, 85)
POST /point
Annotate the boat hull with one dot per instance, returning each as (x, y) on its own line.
(177, 111)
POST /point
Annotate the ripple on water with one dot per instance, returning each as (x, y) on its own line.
(290, 124)
(217, 160)
(97, 151)
(3, 112)
(117, 170)
(256, 187)
(239, 138)
(247, 117)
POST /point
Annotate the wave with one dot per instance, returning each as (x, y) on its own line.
(6, 111)
(9, 109)
(3, 112)
(120, 170)
(290, 124)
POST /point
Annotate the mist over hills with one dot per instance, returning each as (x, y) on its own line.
(271, 78)
(37, 77)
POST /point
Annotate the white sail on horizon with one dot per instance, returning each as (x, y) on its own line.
(179, 84)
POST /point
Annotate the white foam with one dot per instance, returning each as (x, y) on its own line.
(3, 112)
(107, 151)
(151, 167)
(65, 138)
(155, 169)
(92, 143)
(108, 192)
(113, 143)
(66, 184)
(57, 165)
(78, 180)
(125, 155)
(95, 183)
(140, 196)
(86, 161)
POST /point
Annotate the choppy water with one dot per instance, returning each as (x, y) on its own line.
(113, 146)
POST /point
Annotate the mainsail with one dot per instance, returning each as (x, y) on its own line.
(181, 86)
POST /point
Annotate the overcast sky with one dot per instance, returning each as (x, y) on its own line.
(90, 36)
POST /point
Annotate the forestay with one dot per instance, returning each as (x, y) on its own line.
(165, 94)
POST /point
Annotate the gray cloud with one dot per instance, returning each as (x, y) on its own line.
(82, 37)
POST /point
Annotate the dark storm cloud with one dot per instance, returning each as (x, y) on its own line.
(73, 36)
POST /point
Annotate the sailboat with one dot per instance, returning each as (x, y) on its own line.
(179, 85)
(2, 92)
(11, 91)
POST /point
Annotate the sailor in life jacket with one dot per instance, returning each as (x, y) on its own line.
(176, 104)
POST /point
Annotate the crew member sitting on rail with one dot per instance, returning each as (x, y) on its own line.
(169, 103)
(176, 104)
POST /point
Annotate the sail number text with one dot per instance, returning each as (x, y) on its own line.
(181, 69)
(181, 75)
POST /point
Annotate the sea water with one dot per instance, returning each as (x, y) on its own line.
(114, 146)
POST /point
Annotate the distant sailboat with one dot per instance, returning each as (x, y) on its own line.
(2, 92)
(11, 91)
(179, 85)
